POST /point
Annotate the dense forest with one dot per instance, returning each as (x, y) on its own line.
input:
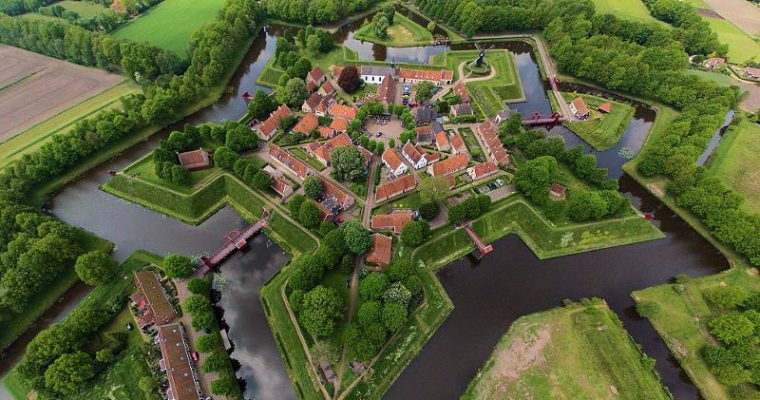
(315, 11)
(472, 16)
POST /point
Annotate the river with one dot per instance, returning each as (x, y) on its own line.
(487, 296)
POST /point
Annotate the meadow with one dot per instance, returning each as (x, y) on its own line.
(601, 131)
(171, 24)
(735, 162)
(627, 9)
(403, 32)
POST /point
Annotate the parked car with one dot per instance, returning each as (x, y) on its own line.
(500, 182)
(194, 356)
(379, 134)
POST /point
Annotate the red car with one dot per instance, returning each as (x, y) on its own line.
(194, 356)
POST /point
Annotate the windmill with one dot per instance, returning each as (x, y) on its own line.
(481, 54)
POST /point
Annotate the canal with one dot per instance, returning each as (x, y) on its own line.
(488, 296)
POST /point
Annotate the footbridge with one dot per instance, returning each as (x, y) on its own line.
(483, 247)
(236, 240)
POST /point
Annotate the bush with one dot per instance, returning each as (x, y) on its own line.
(310, 215)
(199, 286)
(313, 187)
(732, 328)
(326, 227)
(726, 296)
(223, 386)
(648, 309)
(215, 362)
(430, 210)
(95, 268)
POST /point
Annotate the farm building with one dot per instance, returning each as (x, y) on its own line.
(457, 145)
(375, 75)
(414, 76)
(387, 91)
(290, 162)
(327, 89)
(424, 134)
(489, 135)
(316, 77)
(267, 129)
(461, 90)
(322, 151)
(334, 200)
(459, 110)
(482, 170)
(605, 108)
(307, 124)
(195, 160)
(341, 111)
(280, 185)
(394, 222)
(442, 141)
(414, 156)
(424, 115)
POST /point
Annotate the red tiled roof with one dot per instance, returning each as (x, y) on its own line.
(327, 147)
(341, 111)
(291, 162)
(441, 140)
(461, 90)
(381, 251)
(328, 87)
(270, 125)
(307, 124)
(182, 380)
(395, 187)
(488, 132)
(339, 124)
(425, 74)
(310, 86)
(450, 165)
(196, 159)
(580, 106)
(336, 70)
(316, 74)
(331, 189)
(314, 100)
(558, 189)
(391, 158)
(325, 132)
(606, 107)
(457, 143)
(412, 152)
(482, 170)
(393, 222)
(385, 92)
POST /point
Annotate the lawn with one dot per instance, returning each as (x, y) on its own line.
(85, 9)
(720, 79)
(472, 144)
(682, 323)
(575, 352)
(626, 9)
(601, 131)
(31, 139)
(735, 162)
(171, 24)
(307, 158)
(145, 169)
(403, 33)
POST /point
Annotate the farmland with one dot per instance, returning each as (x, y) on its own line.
(735, 162)
(34, 88)
(171, 24)
(541, 356)
(627, 9)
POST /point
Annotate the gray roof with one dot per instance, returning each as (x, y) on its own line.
(425, 115)
(504, 114)
(377, 70)
(463, 109)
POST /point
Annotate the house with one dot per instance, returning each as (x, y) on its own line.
(461, 90)
(267, 129)
(195, 160)
(280, 185)
(424, 134)
(152, 300)
(334, 199)
(414, 156)
(394, 222)
(579, 109)
(393, 162)
(449, 166)
(340, 111)
(310, 105)
(489, 135)
(605, 108)
(381, 251)
(322, 151)
(557, 192)
(326, 89)
(482, 170)
(289, 161)
(315, 77)
(442, 141)
(429, 157)
(503, 115)
(459, 110)
(414, 76)
(335, 70)
(714, 63)
(457, 145)
(387, 91)
(395, 188)
(338, 125)
(326, 132)
(307, 124)
(324, 105)
(177, 363)
(424, 115)
(374, 74)
(751, 73)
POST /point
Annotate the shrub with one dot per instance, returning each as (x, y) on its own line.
(394, 316)
(373, 286)
(213, 363)
(415, 233)
(726, 296)
(430, 210)
(326, 227)
(647, 309)
(732, 327)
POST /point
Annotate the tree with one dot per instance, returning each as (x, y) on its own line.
(415, 233)
(586, 206)
(178, 266)
(424, 91)
(313, 187)
(380, 25)
(349, 79)
(394, 316)
(325, 227)
(262, 180)
(369, 313)
(431, 26)
(319, 309)
(356, 237)
(647, 309)
(294, 205)
(95, 267)
(310, 215)
(208, 342)
(535, 176)
(348, 163)
(435, 190)
(225, 158)
(308, 270)
(373, 286)
(70, 373)
(726, 296)
(215, 362)
(732, 327)
(294, 93)
(262, 105)
(148, 385)
(390, 13)
(240, 138)
(429, 210)
(400, 269)
(397, 293)
(223, 386)
(199, 286)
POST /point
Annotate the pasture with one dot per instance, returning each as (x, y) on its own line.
(735, 163)
(171, 24)
(633, 10)
(34, 88)
(740, 12)
(576, 352)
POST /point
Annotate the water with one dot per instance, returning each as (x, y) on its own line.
(713, 144)
(489, 295)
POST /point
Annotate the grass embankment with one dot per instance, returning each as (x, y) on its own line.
(38, 304)
(682, 323)
(171, 24)
(118, 382)
(403, 33)
(574, 352)
(490, 94)
(601, 131)
(515, 215)
(340, 55)
(33, 138)
(633, 10)
(735, 162)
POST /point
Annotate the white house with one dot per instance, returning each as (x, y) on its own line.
(414, 156)
(374, 75)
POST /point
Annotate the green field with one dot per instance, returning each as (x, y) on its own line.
(575, 352)
(741, 47)
(735, 163)
(626, 9)
(682, 323)
(720, 79)
(31, 139)
(171, 24)
(403, 32)
(601, 131)
(85, 9)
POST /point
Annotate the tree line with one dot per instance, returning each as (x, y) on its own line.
(314, 11)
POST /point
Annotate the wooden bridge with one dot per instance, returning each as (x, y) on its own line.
(236, 240)
(539, 119)
(484, 247)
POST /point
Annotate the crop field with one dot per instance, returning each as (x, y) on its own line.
(741, 12)
(735, 163)
(34, 88)
(627, 9)
(171, 24)
(575, 352)
(34, 137)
